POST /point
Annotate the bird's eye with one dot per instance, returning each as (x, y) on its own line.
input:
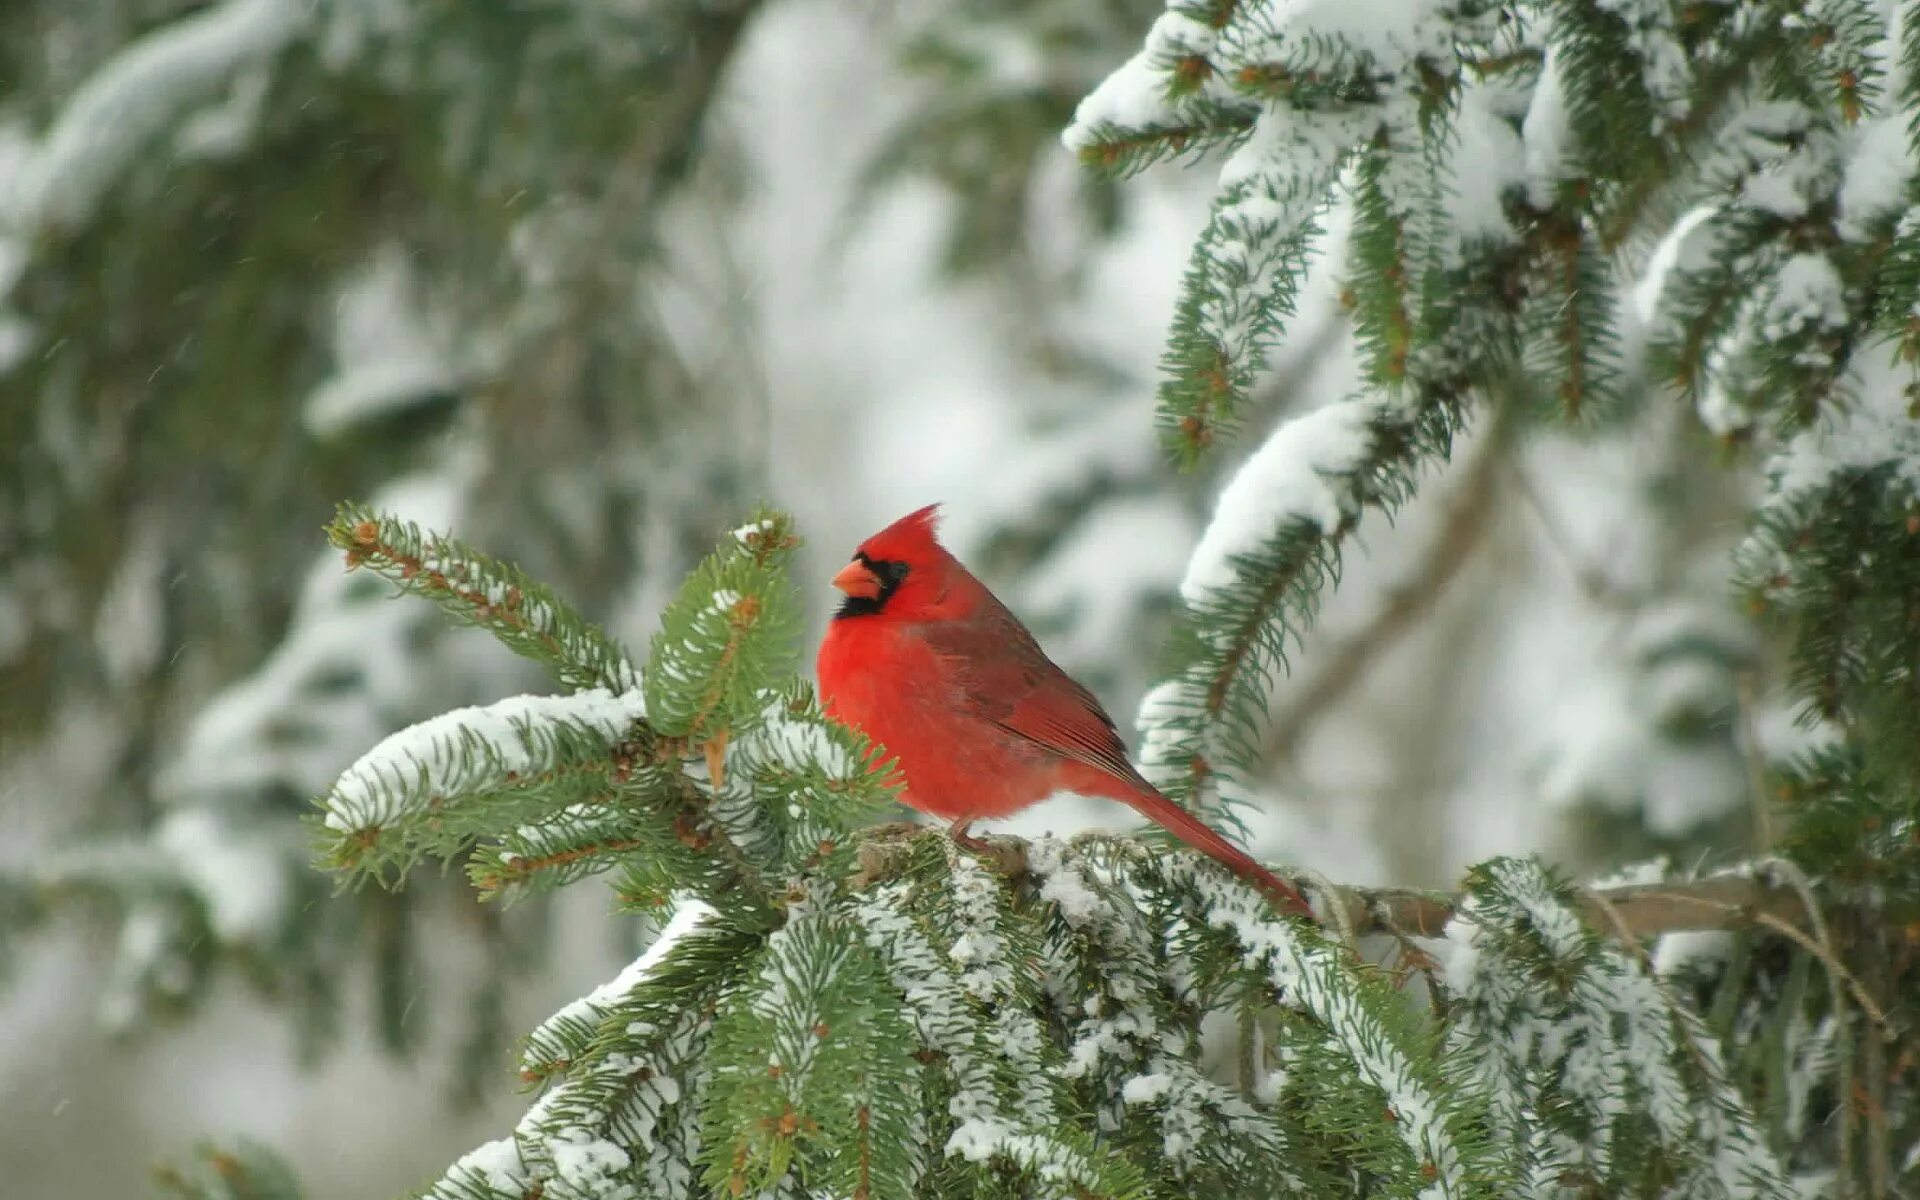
(891, 573)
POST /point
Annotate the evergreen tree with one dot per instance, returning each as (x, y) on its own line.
(255, 256)
(1683, 228)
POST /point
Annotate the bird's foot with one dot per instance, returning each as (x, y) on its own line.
(966, 841)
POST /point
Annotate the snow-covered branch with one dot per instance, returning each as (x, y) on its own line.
(1720, 902)
(134, 98)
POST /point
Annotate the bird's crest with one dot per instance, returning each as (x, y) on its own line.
(911, 539)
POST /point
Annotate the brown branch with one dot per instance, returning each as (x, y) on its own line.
(1116, 153)
(1632, 910)
(1593, 579)
(1409, 600)
(520, 868)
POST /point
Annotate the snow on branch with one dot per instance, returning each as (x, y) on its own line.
(416, 787)
(936, 929)
(1122, 1021)
(1300, 89)
(1242, 279)
(1555, 140)
(565, 1035)
(625, 1110)
(1592, 1065)
(1717, 902)
(811, 1070)
(1355, 1020)
(797, 1055)
(134, 98)
(1302, 473)
(713, 772)
(1255, 579)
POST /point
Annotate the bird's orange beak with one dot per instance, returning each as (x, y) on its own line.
(856, 580)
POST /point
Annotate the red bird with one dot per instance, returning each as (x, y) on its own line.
(925, 661)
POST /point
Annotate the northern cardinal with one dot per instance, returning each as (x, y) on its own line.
(925, 661)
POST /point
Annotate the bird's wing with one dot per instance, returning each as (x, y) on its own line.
(1008, 680)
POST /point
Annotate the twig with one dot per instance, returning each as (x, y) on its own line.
(1803, 888)
(1409, 600)
(1768, 916)
(1755, 759)
(1593, 580)
(1873, 1065)
(1332, 899)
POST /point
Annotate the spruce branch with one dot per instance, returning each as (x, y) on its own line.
(1383, 1087)
(704, 775)
(811, 1071)
(1238, 290)
(990, 1117)
(1724, 902)
(431, 789)
(245, 1170)
(1628, 1078)
(1121, 1024)
(729, 632)
(1254, 587)
(1117, 151)
(476, 589)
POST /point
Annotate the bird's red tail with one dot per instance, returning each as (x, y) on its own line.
(1202, 837)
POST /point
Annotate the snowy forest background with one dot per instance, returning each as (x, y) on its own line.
(582, 282)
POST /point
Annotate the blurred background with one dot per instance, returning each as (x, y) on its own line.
(581, 280)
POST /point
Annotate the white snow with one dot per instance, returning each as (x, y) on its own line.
(240, 874)
(138, 94)
(1875, 429)
(1755, 137)
(979, 950)
(1063, 886)
(589, 1164)
(1677, 951)
(17, 340)
(1171, 728)
(1146, 1089)
(1133, 97)
(226, 128)
(1668, 255)
(461, 749)
(1485, 159)
(1874, 182)
(1776, 157)
(1807, 291)
(497, 1164)
(688, 915)
(1722, 407)
(1547, 132)
(746, 533)
(1294, 476)
(387, 357)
